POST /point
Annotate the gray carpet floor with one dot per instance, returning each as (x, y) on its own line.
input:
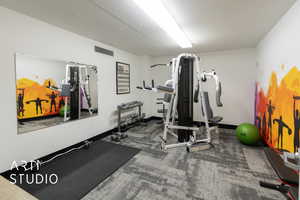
(228, 171)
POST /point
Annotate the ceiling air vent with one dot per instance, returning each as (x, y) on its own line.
(104, 51)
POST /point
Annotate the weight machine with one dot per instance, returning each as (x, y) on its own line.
(179, 100)
(77, 85)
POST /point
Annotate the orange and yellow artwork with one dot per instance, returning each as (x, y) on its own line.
(277, 111)
(36, 100)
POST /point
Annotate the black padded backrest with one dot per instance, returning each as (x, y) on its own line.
(209, 111)
(284, 173)
(167, 96)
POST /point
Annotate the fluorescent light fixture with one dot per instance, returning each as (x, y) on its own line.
(157, 11)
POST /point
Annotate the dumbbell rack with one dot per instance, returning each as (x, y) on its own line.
(128, 120)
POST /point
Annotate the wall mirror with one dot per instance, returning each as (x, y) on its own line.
(51, 92)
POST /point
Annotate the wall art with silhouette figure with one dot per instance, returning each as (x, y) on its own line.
(277, 111)
(36, 100)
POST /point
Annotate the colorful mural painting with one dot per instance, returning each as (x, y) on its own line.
(277, 111)
(36, 100)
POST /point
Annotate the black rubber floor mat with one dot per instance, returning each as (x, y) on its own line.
(81, 171)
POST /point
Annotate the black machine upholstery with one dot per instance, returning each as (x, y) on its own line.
(167, 96)
(215, 119)
(166, 99)
(210, 114)
(165, 88)
(285, 173)
(289, 178)
(75, 93)
(185, 98)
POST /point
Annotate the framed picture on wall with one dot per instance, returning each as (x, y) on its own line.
(123, 78)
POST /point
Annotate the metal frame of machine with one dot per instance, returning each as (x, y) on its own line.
(83, 84)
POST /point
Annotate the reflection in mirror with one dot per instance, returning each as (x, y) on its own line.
(50, 92)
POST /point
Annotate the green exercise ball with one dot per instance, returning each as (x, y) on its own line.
(62, 111)
(247, 134)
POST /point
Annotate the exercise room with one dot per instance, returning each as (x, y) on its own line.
(149, 100)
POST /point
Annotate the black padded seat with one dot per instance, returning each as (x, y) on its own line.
(215, 119)
(165, 88)
(285, 173)
(210, 115)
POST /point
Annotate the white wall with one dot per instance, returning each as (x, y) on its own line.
(281, 46)
(236, 70)
(145, 95)
(20, 33)
(39, 69)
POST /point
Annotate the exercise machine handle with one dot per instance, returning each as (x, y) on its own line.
(218, 94)
(144, 87)
(147, 87)
(280, 188)
(268, 185)
(213, 74)
(196, 94)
